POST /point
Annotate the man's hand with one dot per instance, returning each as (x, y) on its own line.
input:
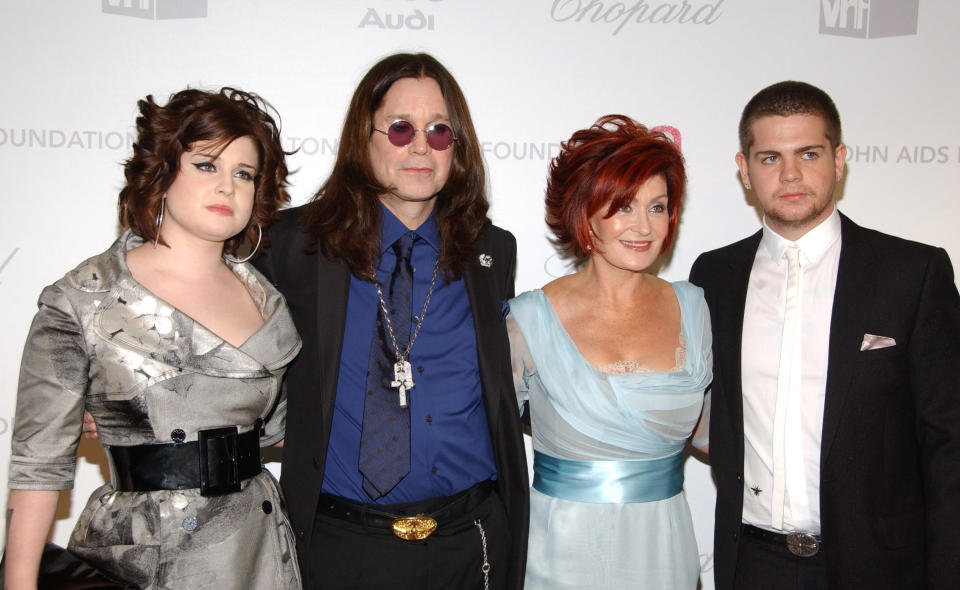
(89, 426)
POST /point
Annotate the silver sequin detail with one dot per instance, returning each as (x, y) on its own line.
(179, 501)
(163, 325)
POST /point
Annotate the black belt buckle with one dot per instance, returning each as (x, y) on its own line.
(219, 469)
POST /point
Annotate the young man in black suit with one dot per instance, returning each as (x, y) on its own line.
(835, 425)
(403, 464)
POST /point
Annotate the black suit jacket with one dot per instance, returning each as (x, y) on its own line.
(890, 450)
(316, 290)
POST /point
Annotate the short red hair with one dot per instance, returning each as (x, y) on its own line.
(605, 166)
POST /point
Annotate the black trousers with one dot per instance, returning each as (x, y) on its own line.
(768, 565)
(351, 556)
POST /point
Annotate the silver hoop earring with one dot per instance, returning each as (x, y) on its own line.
(252, 252)
(156, 239)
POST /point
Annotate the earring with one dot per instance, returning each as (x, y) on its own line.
(746, 185)
(252, 252)
(163, 202)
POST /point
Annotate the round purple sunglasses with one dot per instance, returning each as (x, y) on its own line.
(401, 133)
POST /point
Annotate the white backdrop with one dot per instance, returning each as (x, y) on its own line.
(532, 71)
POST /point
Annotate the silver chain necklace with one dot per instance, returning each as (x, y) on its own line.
(402, 372)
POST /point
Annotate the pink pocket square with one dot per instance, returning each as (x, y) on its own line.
(873, 342)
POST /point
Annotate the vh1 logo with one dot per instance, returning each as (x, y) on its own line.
(869, 19)
(156, 9)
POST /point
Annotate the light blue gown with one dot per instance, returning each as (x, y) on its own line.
(607, 508)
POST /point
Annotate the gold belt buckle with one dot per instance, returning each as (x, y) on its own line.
(414, 528)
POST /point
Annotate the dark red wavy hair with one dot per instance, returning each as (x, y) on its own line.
(164, 133)
(604, 167)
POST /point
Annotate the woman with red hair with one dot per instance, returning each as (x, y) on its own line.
(613, 362)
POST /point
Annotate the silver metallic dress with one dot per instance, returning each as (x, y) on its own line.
(150, 374)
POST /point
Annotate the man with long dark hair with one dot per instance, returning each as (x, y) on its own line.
(403, 464)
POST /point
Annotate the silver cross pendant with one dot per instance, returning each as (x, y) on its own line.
(402, 379)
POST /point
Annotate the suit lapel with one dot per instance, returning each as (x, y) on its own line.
(852, 299)
(481, 290)
(333, 289)
(729, 328)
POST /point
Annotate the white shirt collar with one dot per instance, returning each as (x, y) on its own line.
(812, 244)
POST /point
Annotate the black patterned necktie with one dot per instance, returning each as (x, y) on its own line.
(385, 434)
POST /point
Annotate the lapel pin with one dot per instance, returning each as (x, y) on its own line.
(486, 260)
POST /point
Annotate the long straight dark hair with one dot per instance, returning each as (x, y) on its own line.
(344, 216)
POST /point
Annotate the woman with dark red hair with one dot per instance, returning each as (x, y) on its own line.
(613, 362)
(177, 348)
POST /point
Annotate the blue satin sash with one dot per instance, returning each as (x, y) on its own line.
(608, 482)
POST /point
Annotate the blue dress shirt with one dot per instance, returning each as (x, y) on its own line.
(450, 448)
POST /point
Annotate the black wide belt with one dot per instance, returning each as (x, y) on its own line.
(798, 543)
(412, 522)
(216, 463)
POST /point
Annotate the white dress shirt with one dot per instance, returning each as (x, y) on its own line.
(803, 419)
